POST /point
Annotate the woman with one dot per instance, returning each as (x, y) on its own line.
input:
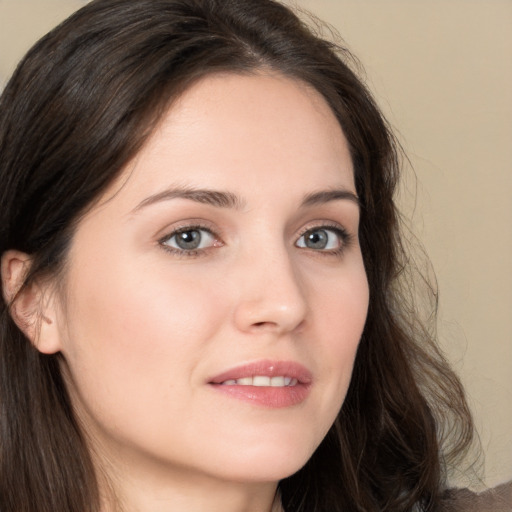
(204, 306)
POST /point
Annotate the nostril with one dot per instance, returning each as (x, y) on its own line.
(261, 325)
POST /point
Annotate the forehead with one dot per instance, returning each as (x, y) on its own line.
(244, 133)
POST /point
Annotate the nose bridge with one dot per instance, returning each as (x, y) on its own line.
(271, 294)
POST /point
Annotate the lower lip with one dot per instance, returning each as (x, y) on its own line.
(267, 396)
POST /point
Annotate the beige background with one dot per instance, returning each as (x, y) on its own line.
(442, 72)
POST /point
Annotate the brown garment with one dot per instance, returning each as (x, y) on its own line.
(498, 499)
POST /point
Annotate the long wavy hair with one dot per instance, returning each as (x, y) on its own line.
(78, 108)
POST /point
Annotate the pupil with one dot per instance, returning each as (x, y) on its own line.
(317, 239)
(188, 239)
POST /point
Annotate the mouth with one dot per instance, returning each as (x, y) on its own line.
(262, 381)
(270, 384)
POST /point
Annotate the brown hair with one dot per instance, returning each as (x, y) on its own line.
(80, 105)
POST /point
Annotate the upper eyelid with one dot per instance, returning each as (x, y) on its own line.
(338, 230)
(324, 224)
(163, 241)
(181, 226)
(346, 236)
(217, 232)
(178, 231)
(201, 224)
(190, 228)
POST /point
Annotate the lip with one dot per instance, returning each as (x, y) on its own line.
(266, 396)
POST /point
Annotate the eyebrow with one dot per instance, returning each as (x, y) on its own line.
(223, 199)
(326, 196)
(217, 198)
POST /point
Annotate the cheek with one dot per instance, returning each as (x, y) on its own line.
(342, 306)
(132, 307)
(340, 318)
(133, 337)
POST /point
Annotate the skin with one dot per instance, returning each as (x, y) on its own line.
(143, 328)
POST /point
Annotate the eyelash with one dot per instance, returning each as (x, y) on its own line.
(344, 236)
(193, 253)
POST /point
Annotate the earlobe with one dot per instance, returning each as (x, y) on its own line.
(32, 307)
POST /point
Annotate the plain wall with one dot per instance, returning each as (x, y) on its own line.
(442, 73)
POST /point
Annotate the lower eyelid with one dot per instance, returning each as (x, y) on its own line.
(344, 239)
(343, 235)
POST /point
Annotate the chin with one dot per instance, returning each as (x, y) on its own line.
(267, 461)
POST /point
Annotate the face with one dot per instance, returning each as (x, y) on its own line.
(214, 299)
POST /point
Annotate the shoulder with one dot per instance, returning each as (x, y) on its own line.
(498, 499)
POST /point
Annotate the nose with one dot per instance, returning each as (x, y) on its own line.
(271, 296)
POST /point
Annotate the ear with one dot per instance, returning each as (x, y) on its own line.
(33, 307)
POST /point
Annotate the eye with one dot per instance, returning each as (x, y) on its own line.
(189, 239)
(323, 239)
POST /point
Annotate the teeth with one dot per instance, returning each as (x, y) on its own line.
(262, 381)
(277, 382)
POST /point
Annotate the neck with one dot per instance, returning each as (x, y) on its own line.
(136, 489)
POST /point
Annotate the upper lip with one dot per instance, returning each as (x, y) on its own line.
(267, 368)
